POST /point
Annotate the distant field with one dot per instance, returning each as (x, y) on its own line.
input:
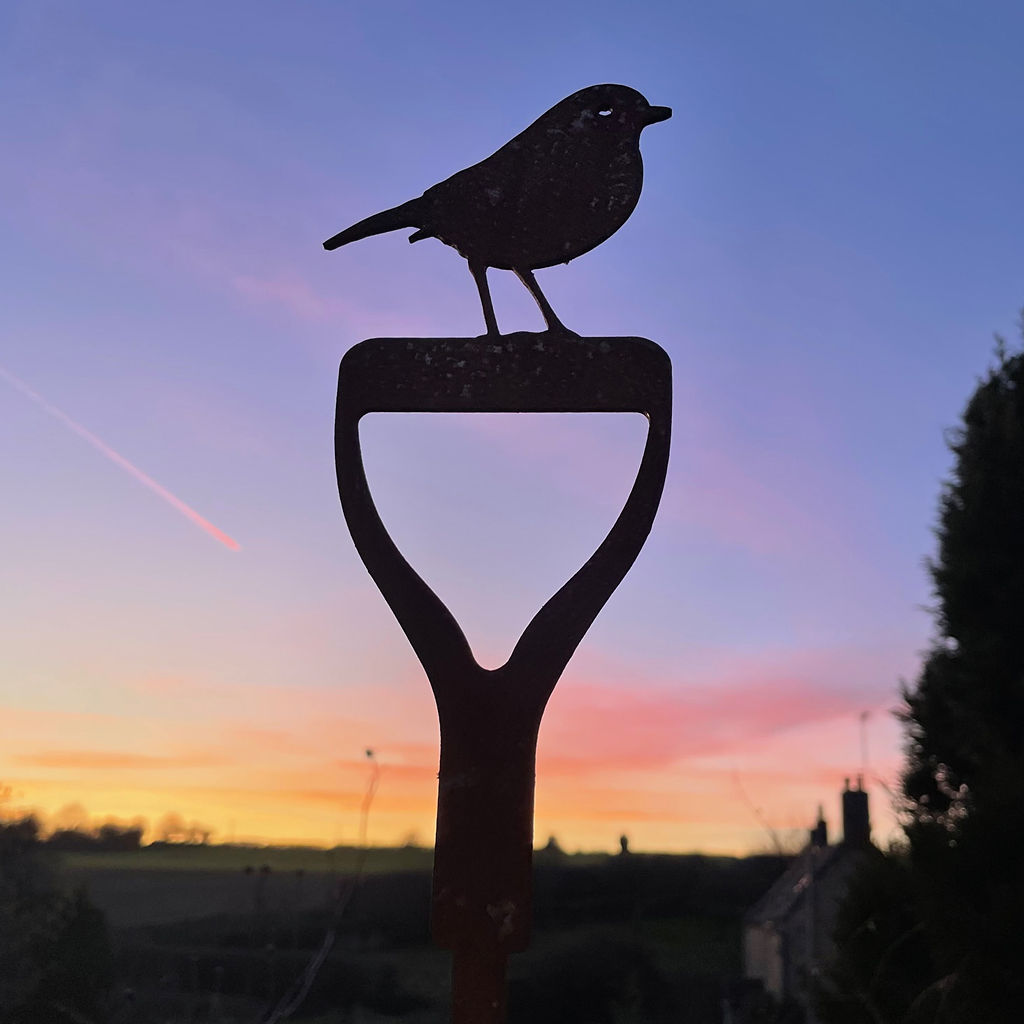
(643, 933)
(344, 860)
(162, 884)
(341, 859)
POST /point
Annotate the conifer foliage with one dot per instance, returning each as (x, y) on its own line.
(929, 932)
(964, 718)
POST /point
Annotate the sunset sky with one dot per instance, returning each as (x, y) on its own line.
(831, 229)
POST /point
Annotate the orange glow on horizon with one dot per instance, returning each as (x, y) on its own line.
(699, 804)
(721, 769)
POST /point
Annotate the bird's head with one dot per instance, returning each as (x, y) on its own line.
(614, 110)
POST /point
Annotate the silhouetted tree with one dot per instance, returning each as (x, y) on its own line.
(70, 817)
(882, 962)
(171, 828)
(25, 906)
(112, 836)
(963, 883)
(72, 840)
(964, 780)
(198, 833)
(55, 956)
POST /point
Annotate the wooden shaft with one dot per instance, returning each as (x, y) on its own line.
(478, 986)
(483, 846)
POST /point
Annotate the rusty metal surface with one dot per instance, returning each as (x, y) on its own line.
(489, 719)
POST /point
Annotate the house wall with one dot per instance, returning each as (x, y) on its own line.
(762, 956)
(807, 933)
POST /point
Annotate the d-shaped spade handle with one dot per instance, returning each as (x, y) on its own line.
(490, 718)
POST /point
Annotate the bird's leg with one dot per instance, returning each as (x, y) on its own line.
(479, 272)
(554, 324)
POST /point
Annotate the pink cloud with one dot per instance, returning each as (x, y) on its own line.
(621, 742)
(607, 716)
(606, 729)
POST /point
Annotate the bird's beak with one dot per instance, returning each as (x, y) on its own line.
(656, 114)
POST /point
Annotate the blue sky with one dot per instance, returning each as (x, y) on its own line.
(829, 234)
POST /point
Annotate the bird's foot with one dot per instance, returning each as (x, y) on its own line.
(559, 329)
(553, 331)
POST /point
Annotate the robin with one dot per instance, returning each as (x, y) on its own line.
(557, 190)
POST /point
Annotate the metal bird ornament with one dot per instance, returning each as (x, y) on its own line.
(557, 190)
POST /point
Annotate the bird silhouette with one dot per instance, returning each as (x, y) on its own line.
(555, 191)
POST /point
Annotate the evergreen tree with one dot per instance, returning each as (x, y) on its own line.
(929, 934)
(964, 717)
(882, 962)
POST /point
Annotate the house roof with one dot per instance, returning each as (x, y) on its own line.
(787, 892)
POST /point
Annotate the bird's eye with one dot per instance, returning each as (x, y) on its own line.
(605, 113)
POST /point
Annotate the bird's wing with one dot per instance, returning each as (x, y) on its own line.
(482, 199)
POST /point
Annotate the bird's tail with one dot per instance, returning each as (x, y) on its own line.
(405, 216)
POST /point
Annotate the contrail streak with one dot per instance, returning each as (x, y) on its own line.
(120, 460)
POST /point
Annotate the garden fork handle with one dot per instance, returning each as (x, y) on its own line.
(516, 373)
(490, 719)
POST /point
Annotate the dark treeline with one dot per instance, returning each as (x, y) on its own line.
(622, 888)
(108, 837)
(105, 837)
(111, 836)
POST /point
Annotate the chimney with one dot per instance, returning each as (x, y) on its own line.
(819, 834)
(856, 823)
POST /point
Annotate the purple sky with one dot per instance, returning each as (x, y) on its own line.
(830, 232)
